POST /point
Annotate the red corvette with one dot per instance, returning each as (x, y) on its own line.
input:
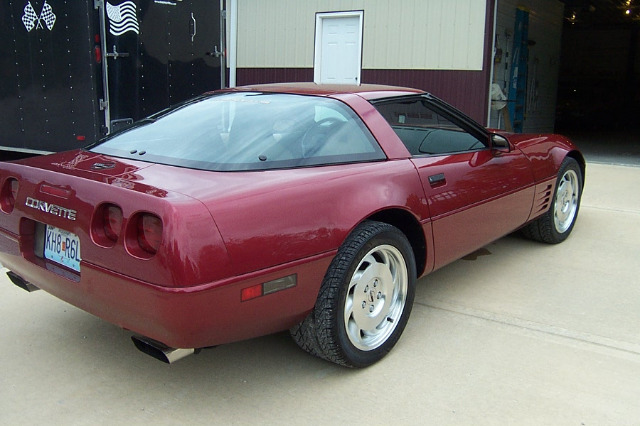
(249, 211)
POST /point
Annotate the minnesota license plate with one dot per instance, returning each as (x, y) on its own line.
(62, 247)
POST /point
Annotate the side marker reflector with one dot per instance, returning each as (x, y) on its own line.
(269, 287)
(251, 292)
(280, 284)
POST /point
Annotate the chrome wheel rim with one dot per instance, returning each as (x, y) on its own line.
(566, 205)
(376, 297)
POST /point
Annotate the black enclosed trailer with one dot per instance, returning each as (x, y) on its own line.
(73, 71)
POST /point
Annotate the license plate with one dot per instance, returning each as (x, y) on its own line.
(62, 247)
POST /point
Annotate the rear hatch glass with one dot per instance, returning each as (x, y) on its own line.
(248, 131)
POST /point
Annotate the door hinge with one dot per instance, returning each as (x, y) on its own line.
(103, 104)
(97, 4)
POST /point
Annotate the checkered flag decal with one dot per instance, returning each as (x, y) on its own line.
(30, 17)
(47, 16)
(31, 20)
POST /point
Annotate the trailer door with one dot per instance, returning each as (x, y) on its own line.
(49, 76)
(158, 53)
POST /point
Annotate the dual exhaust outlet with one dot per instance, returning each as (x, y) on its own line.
(145, 345)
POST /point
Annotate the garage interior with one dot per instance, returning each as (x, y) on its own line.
(598, 101)
(581, 73)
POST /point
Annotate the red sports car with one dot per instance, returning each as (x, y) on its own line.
(249, 211)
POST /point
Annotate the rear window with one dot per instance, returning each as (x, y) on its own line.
(248, 131)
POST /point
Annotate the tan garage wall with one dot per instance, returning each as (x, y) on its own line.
(398, 34)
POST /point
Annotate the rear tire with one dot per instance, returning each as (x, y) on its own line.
(365, 299)
(557, 223)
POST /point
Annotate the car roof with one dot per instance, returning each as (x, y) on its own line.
(367, 91)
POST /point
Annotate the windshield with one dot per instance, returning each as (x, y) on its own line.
(248, 131)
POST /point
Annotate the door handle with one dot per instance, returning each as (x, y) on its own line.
(115, 54)
(216, 53)
(194, 29)
(438, 179)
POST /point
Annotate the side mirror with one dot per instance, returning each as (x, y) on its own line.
(500, 143)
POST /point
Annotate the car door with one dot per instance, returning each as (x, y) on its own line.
(476, 192)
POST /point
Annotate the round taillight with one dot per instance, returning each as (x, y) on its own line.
(112, 222)
(9, 195)
(149, 232)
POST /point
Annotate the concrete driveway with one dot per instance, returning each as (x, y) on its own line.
(518, 333)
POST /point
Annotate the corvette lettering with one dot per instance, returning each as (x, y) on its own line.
(50, 208)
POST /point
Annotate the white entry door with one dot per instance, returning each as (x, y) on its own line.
(338, 48)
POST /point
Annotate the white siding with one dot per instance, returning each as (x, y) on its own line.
(274, 33)
(407, 34)
(545, 29)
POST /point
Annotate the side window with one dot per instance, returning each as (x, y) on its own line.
(424, 131)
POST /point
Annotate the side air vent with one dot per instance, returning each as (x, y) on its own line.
(543, 199)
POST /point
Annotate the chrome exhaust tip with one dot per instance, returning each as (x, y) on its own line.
(20, 282)
(160, 351)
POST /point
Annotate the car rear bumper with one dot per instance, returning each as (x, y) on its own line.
(187, 317)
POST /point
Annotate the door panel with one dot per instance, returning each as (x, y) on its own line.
(48, 75)
(162, 54)
(338, 48)
(122, 49)
(475, 193)
(474, 198)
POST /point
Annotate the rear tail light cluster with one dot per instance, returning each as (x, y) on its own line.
(141, 234)
(8, 195)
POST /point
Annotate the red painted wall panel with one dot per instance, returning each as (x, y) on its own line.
(466, 90)
(246, 76)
